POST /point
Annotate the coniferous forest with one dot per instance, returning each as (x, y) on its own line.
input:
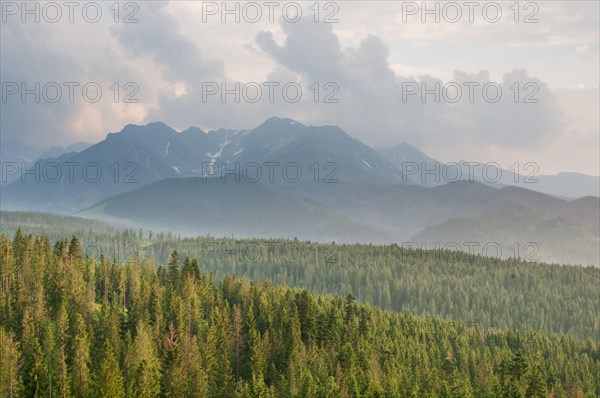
(305, 199)
(443, 284)
(74, 326)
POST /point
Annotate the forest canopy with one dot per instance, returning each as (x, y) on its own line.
(74, 326)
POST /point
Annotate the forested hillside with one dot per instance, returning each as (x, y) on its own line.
(438, 283)
(551, 298)
(73, 326)
(55, 226)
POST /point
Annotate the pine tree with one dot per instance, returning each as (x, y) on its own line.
(10, 360)
(196, 268)
(306, 313)
(8, 282)
(175, 376)
(109, 380)
(81, 360)
(238, 340)
(187, 269)
(51, 371)
(218, 359)
(174, 269)
(36, 371)
(537, 387)
(146, 366)
(197, 383)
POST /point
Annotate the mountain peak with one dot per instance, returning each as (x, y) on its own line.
(405, 146)
(152, 125)
(405, 152)
(193, 130)
(276, 121)
(151, 128)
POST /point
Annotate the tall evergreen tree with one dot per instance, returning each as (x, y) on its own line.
(174, 269)
(10, 362)
(109, 380)
(81, 360)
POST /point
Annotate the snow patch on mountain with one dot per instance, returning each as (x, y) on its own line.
(219, 153)
(364, 161)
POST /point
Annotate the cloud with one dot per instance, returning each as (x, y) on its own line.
(370, 58)
(157, 36)
(581, 49)
(374, 105)
(58, 55)
(309, 48)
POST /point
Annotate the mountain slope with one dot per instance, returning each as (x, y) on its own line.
(209, 206)
(57, 151)
(140, 155)
(429, 172)
(516, 222)
(410, 160)
(458, 213)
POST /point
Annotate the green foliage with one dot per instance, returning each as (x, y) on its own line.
(482, 292)
(157, 336)
(10, 357)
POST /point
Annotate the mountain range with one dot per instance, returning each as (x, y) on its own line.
(418, 166)
(283, 178)
(19, 153)
(139, 155)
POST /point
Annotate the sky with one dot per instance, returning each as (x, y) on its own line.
(386, 72)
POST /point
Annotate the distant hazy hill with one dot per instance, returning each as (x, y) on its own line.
(527, 224)
(449, 215)
(57, 151)
(17, 151)
(418, 166)
(197, 206)
(572, 185)
(55, 226)
(14, 151)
